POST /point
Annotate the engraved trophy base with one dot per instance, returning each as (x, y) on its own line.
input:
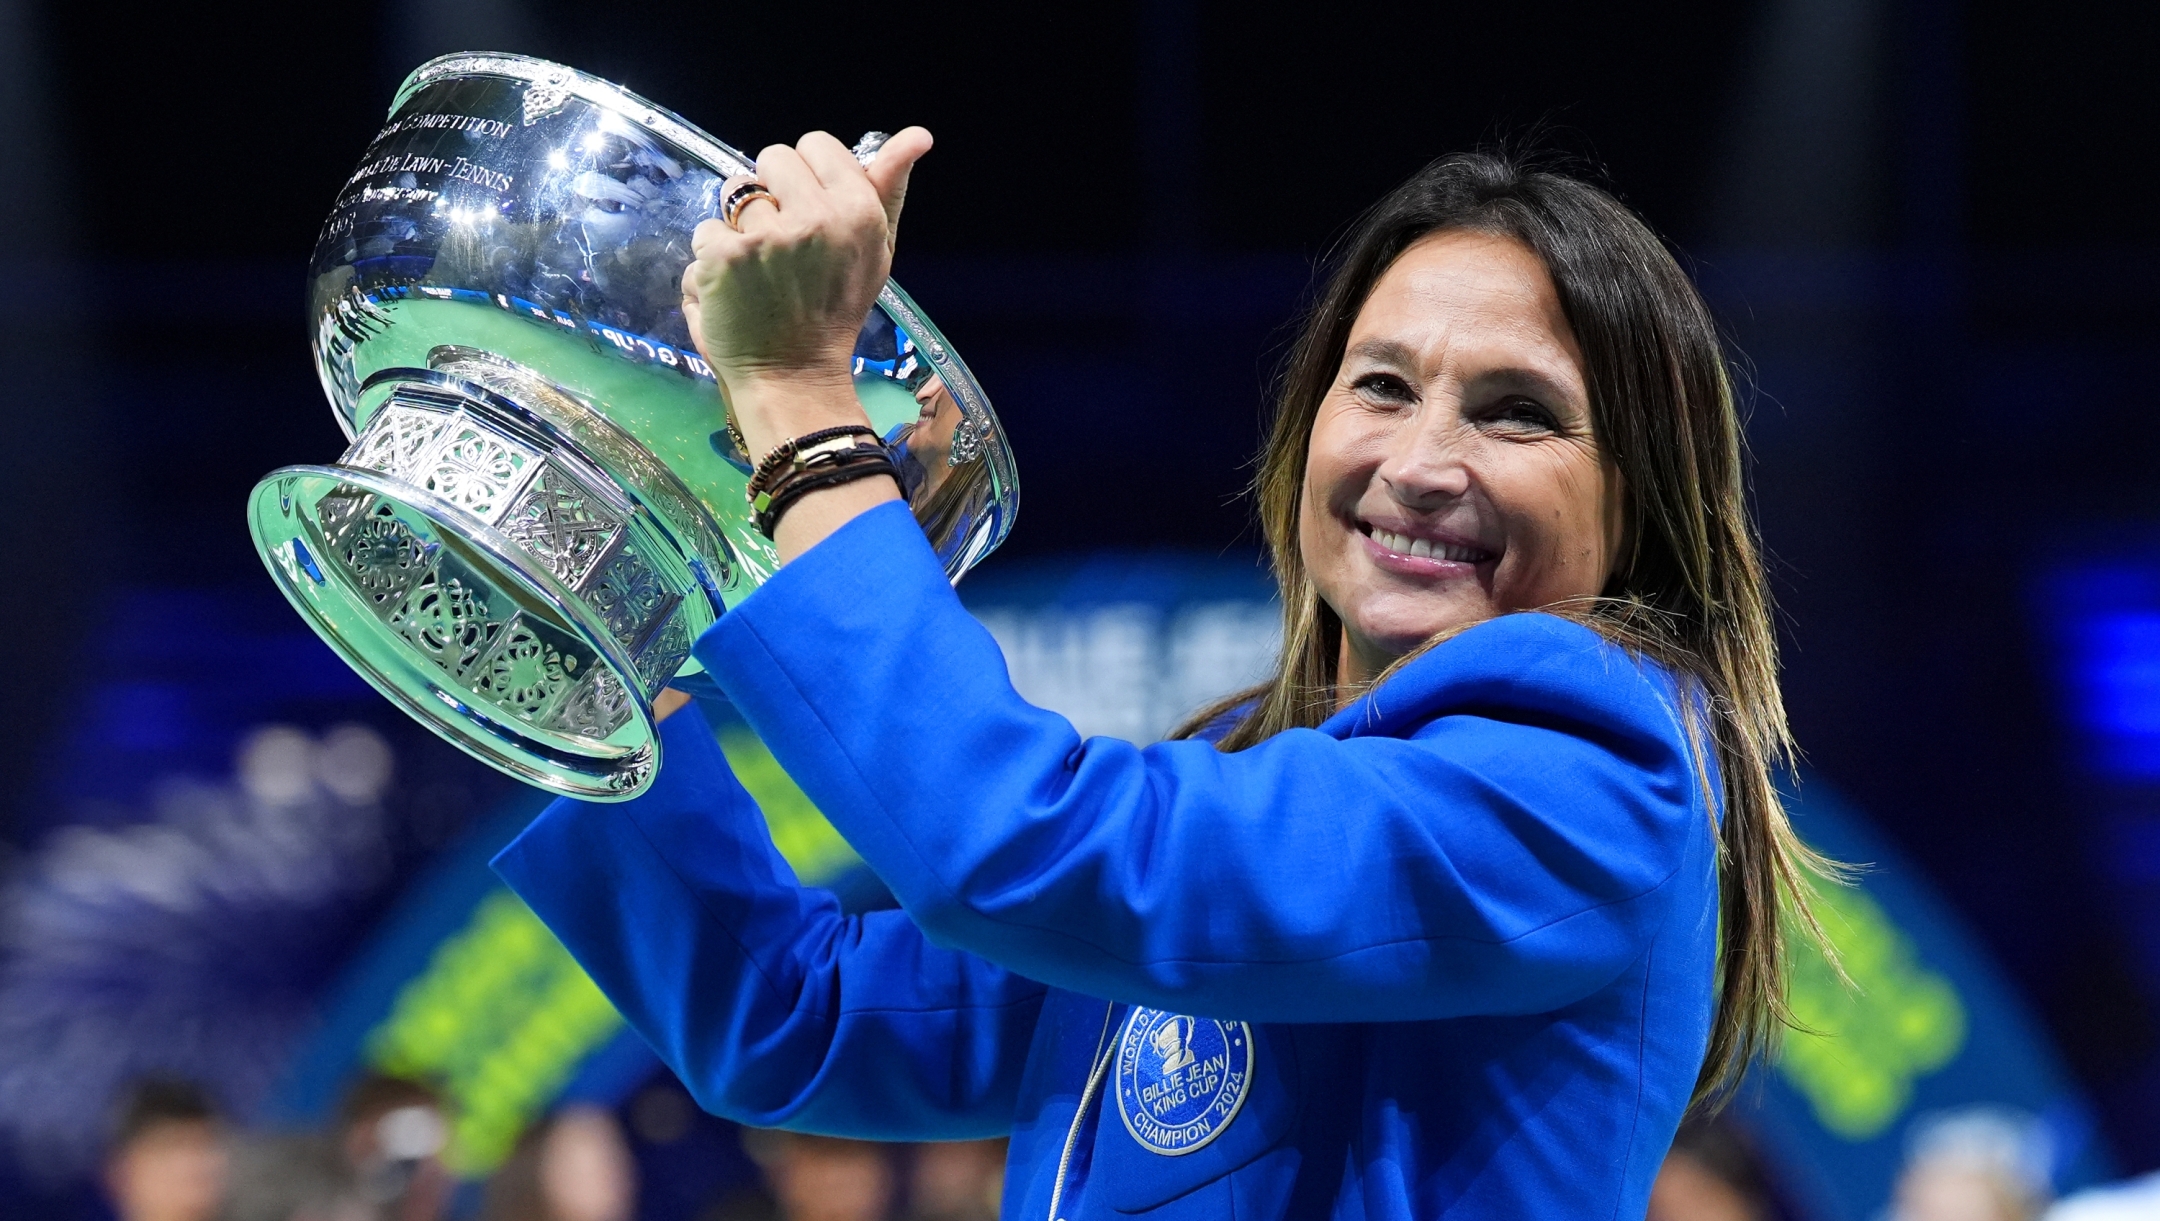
(502, 562)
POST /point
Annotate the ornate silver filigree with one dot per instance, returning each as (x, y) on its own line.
(529, 670)
(397, 438)
(545, 96)
(383, 555)
(563, 523)
(595, 708)
(446, 619)
(967, 443)
(604, 445)
(663, 654)
(340, 508)
(554, 508)
(629, 596)
(477, 470)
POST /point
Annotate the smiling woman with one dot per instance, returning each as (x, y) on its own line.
(1457, 914)
(1509, 362)
(1454, 470)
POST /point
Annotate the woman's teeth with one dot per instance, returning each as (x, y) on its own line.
(1425, 548)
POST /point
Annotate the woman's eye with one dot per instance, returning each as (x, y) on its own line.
(1384, 386)
(1525, 413)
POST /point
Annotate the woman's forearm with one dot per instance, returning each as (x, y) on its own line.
(768, 1003)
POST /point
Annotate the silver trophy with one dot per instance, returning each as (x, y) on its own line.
(541, 507)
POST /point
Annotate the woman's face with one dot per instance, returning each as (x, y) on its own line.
(930, 440)
(1453, 474)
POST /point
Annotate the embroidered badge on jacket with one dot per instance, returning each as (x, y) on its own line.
(1181, 1079)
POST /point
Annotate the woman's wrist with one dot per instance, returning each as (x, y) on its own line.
(814, 518)
(771, 408)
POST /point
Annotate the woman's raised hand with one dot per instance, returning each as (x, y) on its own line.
(775, 301)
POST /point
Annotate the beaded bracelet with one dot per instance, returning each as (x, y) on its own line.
(784, 455)
(825, 470)
(816, 457)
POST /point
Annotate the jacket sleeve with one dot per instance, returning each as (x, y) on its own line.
(772, 1007)
(1510, 852)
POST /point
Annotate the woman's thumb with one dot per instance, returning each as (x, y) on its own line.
(889, 172)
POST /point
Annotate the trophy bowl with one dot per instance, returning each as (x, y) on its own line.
(541, 506)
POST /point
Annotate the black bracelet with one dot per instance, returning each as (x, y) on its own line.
(784, 497)
(768, 518)
(772, 466)
(808, 464)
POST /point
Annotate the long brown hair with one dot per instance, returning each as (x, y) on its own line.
(1689, 591)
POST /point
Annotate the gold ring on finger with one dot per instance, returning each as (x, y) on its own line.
(731, 208)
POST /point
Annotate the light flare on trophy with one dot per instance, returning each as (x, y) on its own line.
(541, 507)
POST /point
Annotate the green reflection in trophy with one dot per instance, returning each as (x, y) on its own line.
(541, 508)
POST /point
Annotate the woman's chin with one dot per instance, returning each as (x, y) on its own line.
(1401, 635)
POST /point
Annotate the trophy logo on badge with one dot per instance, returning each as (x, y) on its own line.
(1181, 1080)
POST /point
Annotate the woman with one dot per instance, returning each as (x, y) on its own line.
(1453, 917)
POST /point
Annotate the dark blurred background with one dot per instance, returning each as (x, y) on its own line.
(1926, 225)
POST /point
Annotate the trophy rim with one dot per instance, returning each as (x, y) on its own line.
(579, 84)
(473, 731)
(975, 406)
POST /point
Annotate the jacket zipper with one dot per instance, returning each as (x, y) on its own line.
(1087, 1099)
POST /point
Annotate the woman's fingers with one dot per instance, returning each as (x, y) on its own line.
(820, 177)
(712, 238)
(781, 292)
(790, 178)
(889, 173)
(692, 304)
(852, 202)
(835, 167)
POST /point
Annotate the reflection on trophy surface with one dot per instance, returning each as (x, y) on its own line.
(939, 471)
(542, 506)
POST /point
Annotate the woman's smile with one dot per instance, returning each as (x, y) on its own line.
(1419, 553)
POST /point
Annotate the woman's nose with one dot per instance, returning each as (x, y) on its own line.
(1427, 464)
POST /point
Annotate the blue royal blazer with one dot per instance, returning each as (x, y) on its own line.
(1448, 955)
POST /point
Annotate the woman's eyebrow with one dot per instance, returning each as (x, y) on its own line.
(1554, 391)
(1384, 351)
(1531, 381)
